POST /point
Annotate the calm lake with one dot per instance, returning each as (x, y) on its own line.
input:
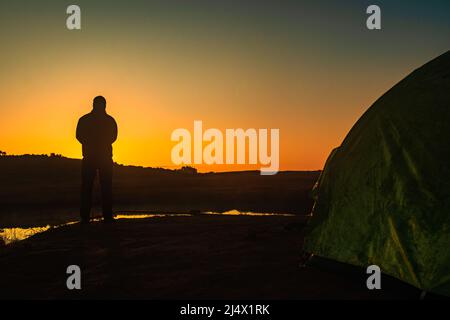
(14, 233)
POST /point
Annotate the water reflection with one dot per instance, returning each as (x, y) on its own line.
(249, 213)
(16, 234)
(9, 235)
(143, 215)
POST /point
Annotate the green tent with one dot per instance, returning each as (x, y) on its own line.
(383, 197)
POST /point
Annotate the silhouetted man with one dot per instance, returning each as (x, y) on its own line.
(96, 131)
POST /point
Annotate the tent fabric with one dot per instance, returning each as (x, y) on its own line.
(383, 197)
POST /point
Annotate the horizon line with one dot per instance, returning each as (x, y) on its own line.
(175, 168)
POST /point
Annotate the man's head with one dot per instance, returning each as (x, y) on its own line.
(99, 103)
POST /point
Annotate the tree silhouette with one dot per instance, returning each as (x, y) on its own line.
(188, 169)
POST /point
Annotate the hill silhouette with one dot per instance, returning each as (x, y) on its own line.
(38, 184)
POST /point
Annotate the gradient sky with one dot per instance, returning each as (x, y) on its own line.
(309, 68)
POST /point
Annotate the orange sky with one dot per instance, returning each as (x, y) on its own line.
(159, 76)
(42, 115)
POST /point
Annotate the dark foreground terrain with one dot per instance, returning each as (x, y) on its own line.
(204, 257)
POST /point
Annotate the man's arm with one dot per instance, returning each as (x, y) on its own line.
(114, 131)
(79, 132)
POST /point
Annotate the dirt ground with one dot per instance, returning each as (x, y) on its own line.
(198, 257)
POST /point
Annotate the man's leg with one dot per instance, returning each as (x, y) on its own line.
(105, 173)
(88, 172)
